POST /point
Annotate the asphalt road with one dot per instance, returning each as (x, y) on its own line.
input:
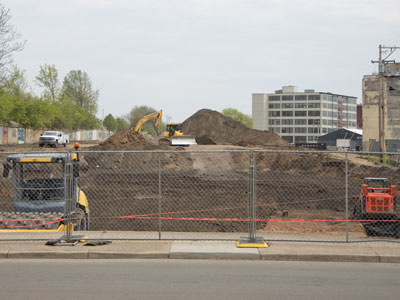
(196, 279)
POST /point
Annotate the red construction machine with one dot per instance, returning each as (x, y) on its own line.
(377, 199)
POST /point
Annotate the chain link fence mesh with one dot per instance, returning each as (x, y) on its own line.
(296, 196)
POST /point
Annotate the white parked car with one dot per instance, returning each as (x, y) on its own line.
(53, 139)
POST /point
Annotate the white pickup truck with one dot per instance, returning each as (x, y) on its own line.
(53, 139)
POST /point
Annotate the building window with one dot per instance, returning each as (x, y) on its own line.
(300, 121)
(300, 105)
(314, 121)
(274, 122)
(287, 105)
(300, 130)
(314, 97)
(312, 138)
(274, 105)
(287, 113)
(314, 113)
(274, 113)
(274, 129)
(314, 105)
(301, 139)
(287, 121)
(288, 139)
(300, 97)
(324, 130)
(301, 113)
(313, 130)
(274, 98)
(287, 97)
(287, 129)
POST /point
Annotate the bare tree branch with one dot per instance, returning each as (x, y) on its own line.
(10, 39)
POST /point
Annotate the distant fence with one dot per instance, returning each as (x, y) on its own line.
(15, 136)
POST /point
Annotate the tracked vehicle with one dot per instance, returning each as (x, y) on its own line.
(45, 193)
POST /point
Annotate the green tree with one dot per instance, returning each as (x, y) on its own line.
(122, 123)
(14, 82)
(10, 39)
(77, 89)
(48, 79)
(110, 123)
(238, 116)
(6, 106)
(139, 112)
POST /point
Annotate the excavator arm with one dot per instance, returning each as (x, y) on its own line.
(156, 115)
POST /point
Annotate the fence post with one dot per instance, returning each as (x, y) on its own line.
(347, 196)
(159, 195)
(252, 241)
(69, 182)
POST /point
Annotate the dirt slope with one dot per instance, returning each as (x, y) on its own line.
(212, 126)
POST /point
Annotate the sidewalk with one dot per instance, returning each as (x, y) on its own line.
(386, 252)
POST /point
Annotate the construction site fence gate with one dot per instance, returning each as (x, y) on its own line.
(203, 195)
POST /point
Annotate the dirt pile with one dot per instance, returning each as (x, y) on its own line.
(211, 125)
(124, 137)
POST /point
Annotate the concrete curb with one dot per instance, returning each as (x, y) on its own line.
(321, 258)
(215, 256)
(213, 250)
(47, 255)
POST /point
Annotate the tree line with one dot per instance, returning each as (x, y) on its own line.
(71, 104)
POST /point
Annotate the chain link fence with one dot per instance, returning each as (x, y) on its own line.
(224, 195)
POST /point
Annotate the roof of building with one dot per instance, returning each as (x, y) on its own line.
(358, 131)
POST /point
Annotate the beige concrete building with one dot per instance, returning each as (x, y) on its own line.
(303, 116)
(391, 103)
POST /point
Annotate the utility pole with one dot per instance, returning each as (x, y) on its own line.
(381, 73)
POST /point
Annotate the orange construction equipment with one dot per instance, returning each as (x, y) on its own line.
(377, 199)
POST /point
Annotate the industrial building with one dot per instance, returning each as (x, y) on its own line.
(342, 139)
(301, 117)
(386, 84)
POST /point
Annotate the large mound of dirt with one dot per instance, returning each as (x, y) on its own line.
(125, 137)
(222, 130)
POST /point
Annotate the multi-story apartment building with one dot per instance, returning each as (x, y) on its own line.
(301, 117)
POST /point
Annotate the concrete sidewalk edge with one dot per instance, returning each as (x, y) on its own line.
(364, 252)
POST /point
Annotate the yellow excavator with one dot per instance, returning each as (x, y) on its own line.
(173, 134)
(155, 115)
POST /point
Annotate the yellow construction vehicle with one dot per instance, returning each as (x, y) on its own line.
(155, 115)
(41, 184)
(174, 136)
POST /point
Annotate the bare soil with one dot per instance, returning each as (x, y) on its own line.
(211, 127)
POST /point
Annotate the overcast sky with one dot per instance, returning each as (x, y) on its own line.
(184, 55)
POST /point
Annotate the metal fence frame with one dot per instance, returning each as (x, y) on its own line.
(251, 192)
